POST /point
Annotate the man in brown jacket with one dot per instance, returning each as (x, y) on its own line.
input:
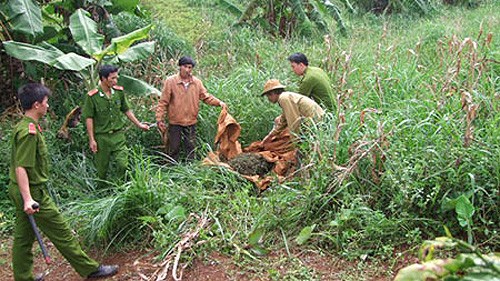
(180, 101)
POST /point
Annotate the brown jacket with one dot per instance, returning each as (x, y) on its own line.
(182, 103)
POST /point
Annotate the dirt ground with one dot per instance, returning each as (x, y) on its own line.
(140, 265)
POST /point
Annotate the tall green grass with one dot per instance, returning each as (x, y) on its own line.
(380, 171)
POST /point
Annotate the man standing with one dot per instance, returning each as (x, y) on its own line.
(180, 99)
(102, 112)
(295, 108)
(314, 82)
(28, 187)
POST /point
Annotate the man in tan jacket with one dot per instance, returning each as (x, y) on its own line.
(180, 100)
(295, 108)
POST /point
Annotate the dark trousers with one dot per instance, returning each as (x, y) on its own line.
(185, 135)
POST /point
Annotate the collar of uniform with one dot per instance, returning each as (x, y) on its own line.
(102, 93)
(304, 74)
(178, 79)
(30, 120)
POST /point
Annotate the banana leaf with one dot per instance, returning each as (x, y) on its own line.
(120, 44)
(25, 17)
(72, 61)
(27, 52)
(138, 52)
(136, 87)
(84, 31)
(47, 54)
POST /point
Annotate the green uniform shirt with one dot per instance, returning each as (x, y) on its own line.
(106, 112)
(29, 151)
(316, 85)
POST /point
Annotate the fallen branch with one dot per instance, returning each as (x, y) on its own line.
(187, 242)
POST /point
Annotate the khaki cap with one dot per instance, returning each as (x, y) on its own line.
(272, 84)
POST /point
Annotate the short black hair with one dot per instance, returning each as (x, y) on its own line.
(31, 93)
(299, 58)
(106, 70)
(186, 60)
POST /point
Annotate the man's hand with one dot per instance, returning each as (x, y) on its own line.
(143, 126)
(223, 105)
(28, 207)
(162, 126)
(93, 146)
(268, 138)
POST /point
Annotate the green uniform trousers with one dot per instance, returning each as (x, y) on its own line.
(111, 145)
(50, 221)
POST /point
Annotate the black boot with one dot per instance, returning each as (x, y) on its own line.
(104, 271)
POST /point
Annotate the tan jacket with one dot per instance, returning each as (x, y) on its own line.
(295, 108)
(182, 103)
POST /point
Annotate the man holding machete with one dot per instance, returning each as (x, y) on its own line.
(28, 189)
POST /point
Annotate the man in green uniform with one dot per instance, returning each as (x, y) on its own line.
(296, 107)
(102, 111)
(28, 177)
(314, 82)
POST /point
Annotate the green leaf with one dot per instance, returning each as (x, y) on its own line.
(148, 219)
(176, 213)
(84, 31)
(27, 52)
(259, 250)
(136, 86)
(123, 5)
(481, 276)
(255, 236)
(232, 8)
(120, 44)
(305, 234)
(138, 52)
(465, 210)
(26, 17)
(72, 61)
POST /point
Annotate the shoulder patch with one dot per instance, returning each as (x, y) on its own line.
(116, 87)
(92, 92)
(32, 129)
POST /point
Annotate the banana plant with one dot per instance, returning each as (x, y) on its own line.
(289, 16)
(85, 33)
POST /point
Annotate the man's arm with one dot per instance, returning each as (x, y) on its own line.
(24, 188)
(131, 117)
(162, 106)
(208, 98)
(306, 86)
(90, 130)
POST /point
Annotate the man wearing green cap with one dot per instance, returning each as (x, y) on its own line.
(28, 189)
(102, 111)
(296, 107)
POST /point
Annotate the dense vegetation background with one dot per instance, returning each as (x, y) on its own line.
(412, 145)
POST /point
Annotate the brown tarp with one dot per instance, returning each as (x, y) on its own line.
(279, 150)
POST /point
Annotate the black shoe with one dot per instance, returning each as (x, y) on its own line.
(104, 271)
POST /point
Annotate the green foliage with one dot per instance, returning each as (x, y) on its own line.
(413, 143)
(170, 45)
(470, 264)
(25, 17)
(285, 18)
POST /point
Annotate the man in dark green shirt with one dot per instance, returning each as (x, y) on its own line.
(314, 83)
(29, 173)
(103, 114)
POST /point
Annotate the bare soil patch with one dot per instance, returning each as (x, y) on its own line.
(303, 265)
